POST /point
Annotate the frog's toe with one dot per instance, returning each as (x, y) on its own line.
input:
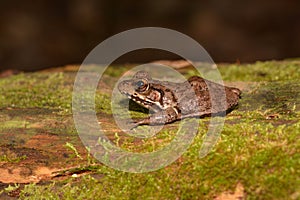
(237, 91)
(131, 125)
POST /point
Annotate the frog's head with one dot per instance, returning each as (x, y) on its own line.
(139, 89)
(136, 86)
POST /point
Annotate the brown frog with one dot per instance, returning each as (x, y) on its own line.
(173, 101)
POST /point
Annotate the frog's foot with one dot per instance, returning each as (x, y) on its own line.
(132, 124)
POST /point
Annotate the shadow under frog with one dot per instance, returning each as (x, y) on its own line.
(170, 101)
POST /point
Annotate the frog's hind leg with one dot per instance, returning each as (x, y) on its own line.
(196, 114)
(162, 117)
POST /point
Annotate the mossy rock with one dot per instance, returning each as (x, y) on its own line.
(256, 157)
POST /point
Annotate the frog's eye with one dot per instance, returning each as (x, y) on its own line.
(141, 85)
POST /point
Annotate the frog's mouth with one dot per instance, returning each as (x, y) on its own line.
(143, 101)
(139, 99)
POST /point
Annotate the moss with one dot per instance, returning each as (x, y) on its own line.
(14, 159)
(262, 71)
(36, 90)
(259, 71)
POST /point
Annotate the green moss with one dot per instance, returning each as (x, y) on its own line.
(117, 71)
(103, 103)
(262, 71)
(43, 90)
(259, 71)
(36, 90)
(13, 159)
(12, 124)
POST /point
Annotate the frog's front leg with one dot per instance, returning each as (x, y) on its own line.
(161, 117)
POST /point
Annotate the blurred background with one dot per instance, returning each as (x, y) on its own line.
(41, 34)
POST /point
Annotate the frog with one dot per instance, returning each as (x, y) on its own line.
(172, 101)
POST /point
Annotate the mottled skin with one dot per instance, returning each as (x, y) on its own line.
(173, 101)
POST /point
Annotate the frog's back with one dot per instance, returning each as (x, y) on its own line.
(202, 87)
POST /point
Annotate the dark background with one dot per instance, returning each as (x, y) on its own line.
(39, 34)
